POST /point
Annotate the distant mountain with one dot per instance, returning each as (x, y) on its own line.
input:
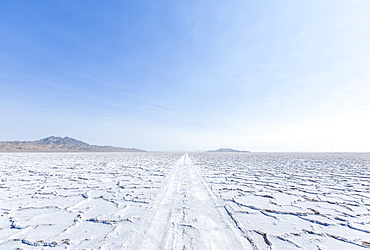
(227, 150)
(58, 144)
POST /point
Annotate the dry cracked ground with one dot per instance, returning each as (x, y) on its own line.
(184, 201)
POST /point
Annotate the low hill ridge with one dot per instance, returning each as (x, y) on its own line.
(59, 144)
(227, 150)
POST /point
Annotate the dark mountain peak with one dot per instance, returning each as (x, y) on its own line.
(55, 144)
(61, 141)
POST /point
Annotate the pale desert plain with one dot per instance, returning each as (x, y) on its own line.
(184, 200)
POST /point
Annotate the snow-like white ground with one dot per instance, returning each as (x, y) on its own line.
(290, 201)
(176, 201)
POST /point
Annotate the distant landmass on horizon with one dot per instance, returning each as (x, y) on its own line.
(59, 144)
(227, 150)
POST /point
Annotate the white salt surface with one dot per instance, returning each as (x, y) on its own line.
(290, 201)
(175, 201)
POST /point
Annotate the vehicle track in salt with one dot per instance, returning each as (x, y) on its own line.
(188, 215)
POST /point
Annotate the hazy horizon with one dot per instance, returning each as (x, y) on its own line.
(271, 76)
(173, 150)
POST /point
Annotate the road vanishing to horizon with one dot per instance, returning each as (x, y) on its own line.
(189, 216)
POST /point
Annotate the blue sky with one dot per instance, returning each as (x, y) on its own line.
(190, 75)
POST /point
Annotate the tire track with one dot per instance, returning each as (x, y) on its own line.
(188, 216)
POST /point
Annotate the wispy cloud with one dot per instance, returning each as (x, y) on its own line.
(270, 75)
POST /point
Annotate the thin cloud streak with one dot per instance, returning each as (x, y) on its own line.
(260, 76)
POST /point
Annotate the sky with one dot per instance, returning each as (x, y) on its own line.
(264, 76)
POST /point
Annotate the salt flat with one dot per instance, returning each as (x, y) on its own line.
(77, 200)
(291, 201)
(191, 201)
